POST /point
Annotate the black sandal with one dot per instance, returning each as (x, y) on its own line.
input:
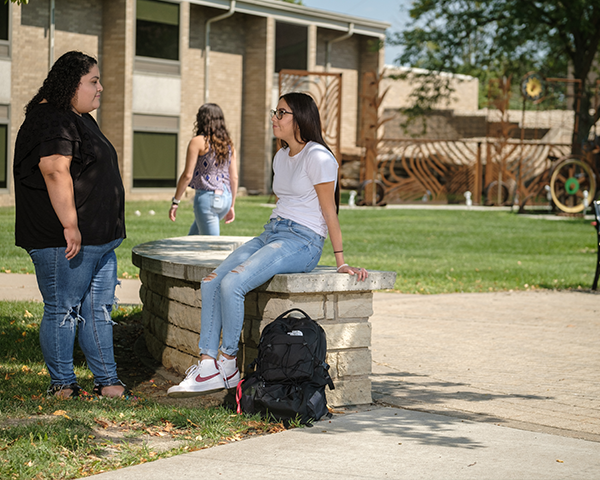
(56, 389)
(126, 394)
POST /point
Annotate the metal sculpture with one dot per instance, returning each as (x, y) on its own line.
(504, 168)
(326, 89)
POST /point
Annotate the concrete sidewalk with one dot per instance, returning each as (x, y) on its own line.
(494, 386)
(15, 286)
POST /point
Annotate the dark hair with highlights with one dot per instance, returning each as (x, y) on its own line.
(306, 118)
(62, 81)
(210, 122)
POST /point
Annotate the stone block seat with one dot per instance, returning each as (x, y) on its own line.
(171, 271)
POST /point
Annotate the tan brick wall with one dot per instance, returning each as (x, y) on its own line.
(117, 79)
(78, 25)
(225, 71)
(372, 59)
(258, 83)
(464, 98)
(311, 63)
(241, 73)
(171, 318)
(192, 75)
(345, 59)
(29, 47)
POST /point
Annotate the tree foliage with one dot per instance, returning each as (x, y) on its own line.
(502, 38)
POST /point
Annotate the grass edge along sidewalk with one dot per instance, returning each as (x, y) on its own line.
(432, 251)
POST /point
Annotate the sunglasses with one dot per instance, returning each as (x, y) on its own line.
(279, 113)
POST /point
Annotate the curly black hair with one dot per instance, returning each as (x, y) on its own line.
(62, 81)
(210, 122)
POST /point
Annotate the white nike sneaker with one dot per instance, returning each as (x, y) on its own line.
(229, 371)
(200, 379)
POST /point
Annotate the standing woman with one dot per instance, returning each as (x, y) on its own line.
(70, 218)
(210, 169)
(305, 176)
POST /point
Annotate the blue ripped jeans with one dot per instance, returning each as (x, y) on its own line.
(284, 247)
(78, 298)
(210, 208)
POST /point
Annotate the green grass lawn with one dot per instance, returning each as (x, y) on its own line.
(50, 438)
(432, 251)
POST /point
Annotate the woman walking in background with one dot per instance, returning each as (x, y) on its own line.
(305, 176)
(70, 218)
(210, 169)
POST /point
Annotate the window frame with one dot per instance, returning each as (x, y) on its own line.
(157, 64)
(5, 121)
(158, 124)
(5, 50)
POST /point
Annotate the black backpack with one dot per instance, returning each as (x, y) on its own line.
(291, 373)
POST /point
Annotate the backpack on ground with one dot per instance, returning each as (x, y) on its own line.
(291, 373)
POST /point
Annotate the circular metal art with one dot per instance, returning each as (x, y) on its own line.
(532, 87)
(371, 196)
(570, 178)
(497, 193)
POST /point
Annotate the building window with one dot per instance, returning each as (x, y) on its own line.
(3, 21)
(3, 154)
(154, 160)
(291, 46)
(157, 29)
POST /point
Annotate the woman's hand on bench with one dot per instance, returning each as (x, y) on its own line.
(361, 273)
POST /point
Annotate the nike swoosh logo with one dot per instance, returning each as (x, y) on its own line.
(200, 379)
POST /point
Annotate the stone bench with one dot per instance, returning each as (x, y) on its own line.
(171, 271)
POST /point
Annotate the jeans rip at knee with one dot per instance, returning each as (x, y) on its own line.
(73, 317)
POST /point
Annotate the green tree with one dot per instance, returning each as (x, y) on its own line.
(297, 2)
(495, 38)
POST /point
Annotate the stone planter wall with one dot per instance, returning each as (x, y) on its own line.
(171, 271)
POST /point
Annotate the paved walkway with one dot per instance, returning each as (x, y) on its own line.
(494, 386)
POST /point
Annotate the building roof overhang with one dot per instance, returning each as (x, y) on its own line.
(299, 14)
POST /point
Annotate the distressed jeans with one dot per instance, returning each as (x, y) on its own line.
(78, 298)
(284, 247)
(210, 208)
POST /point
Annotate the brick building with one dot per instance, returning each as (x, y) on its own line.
(154, 57)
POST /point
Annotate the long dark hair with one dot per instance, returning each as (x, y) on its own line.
(62, 81)
(307, 119)
(210, 122)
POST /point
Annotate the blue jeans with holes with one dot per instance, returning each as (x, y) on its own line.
(210, 208)
(284, 247)
(78, 298)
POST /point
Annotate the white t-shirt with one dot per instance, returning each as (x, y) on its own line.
(294, 180)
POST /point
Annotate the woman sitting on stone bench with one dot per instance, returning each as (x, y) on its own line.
(305, 176)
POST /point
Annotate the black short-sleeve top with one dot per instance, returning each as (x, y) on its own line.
(97, 184)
